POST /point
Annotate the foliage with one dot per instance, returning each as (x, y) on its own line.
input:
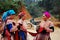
(35, 7)
(7, 4)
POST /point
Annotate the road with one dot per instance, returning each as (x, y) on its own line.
(56, 34)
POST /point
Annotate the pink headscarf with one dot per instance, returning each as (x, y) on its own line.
(47, 14)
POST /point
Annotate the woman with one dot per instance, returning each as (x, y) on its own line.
(9, 25)
(45, 28)
(21, 27)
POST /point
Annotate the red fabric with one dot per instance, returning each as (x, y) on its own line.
(9, 38)
(33, 34)
(7, 35)
(40, 29)
(16, 36)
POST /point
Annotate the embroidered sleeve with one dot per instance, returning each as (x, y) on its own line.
(52, 26)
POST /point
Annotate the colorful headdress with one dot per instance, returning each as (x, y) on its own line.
(7, 13)
(47, 14)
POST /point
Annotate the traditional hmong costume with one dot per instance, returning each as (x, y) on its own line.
(8, 25)
(21, 30)
(42, 32)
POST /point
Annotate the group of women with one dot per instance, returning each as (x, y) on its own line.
(12, 30)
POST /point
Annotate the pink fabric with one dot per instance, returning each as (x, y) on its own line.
(47, 14)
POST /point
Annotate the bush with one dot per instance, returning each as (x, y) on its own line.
(6, 5)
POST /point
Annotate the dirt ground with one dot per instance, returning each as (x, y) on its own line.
(56, 34)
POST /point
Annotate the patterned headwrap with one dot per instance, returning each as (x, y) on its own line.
(47, 14)
(7, 13)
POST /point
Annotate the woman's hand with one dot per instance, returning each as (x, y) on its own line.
(49, 30)
(14, 29)
(23, 28)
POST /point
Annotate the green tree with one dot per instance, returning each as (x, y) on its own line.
(9, 4)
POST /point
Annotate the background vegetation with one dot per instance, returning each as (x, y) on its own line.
(35, 7)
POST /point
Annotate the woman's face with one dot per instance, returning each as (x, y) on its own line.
(44, 17)
(12, 16)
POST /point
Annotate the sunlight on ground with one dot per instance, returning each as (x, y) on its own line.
(56, 34)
